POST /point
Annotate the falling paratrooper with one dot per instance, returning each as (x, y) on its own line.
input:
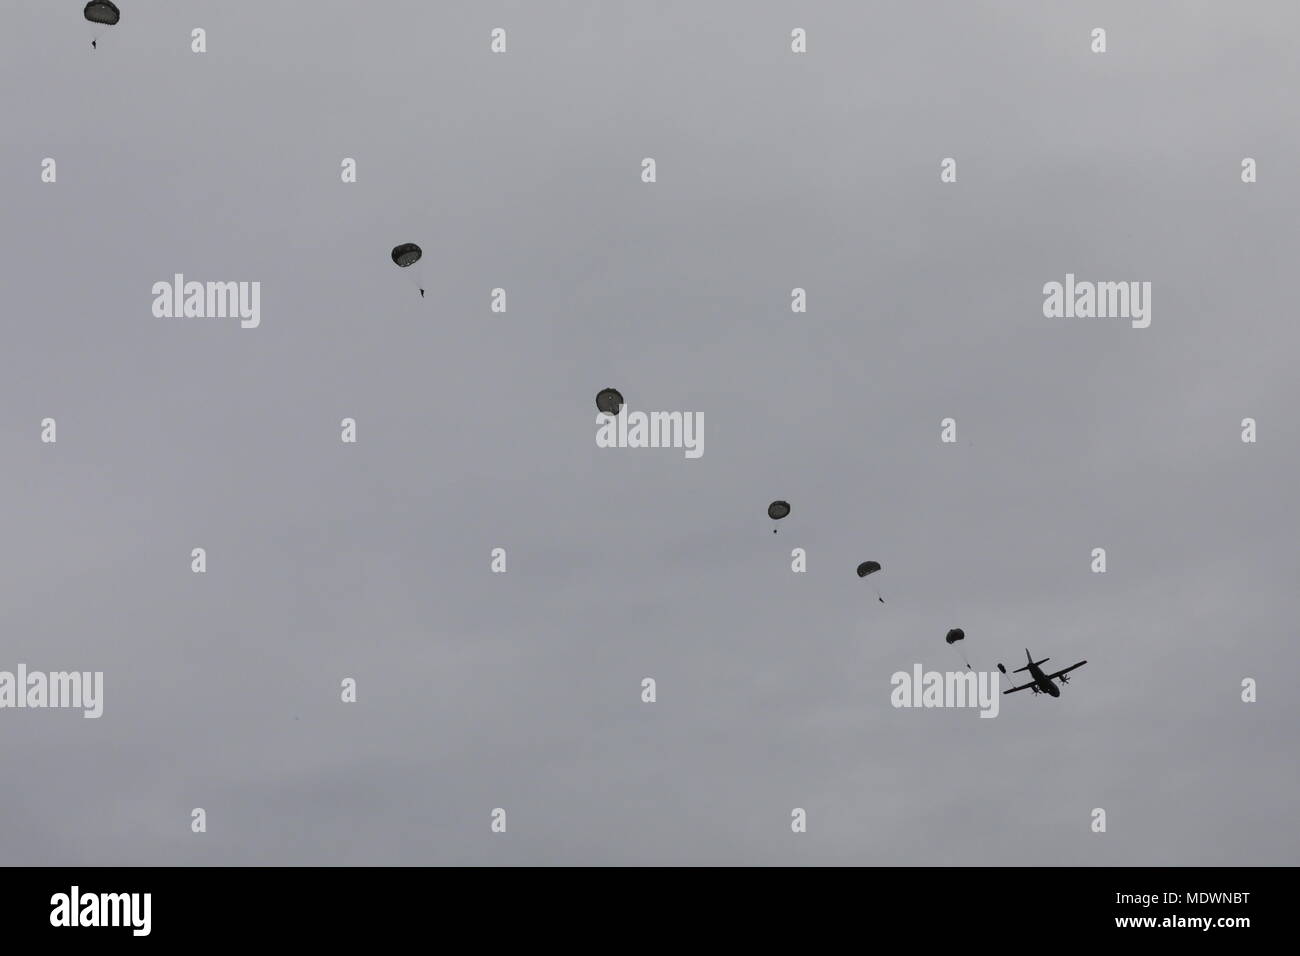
(870, 567)
(103, 13)
(778, 510)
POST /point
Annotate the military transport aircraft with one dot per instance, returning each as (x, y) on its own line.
(1041, 683)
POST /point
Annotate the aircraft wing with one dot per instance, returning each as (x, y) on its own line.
(1022, 687)
(1066, 671)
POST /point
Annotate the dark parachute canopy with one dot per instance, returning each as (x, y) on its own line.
(778, 510)
(609, 400)
(407, 254)
(102, 11)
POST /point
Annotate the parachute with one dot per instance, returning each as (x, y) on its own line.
(101, 11)
(955, 635)
(778, 510)
(407, 255)
(870, 567)
(609, 400)
(103, 14)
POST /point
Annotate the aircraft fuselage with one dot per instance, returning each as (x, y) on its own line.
(1045, 683)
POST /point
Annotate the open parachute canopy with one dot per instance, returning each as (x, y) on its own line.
(609, 400)
(868, 567)
(778, 510)
(102, 11)
(407, 254)
(955, 635)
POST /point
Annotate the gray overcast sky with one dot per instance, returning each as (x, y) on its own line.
(477, 431)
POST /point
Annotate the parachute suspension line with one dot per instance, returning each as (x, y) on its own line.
(404, 256)
(871, 567)
(955, 635)
(778, 510)
(415, 275)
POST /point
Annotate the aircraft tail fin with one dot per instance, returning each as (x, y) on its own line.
(1032, 663)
